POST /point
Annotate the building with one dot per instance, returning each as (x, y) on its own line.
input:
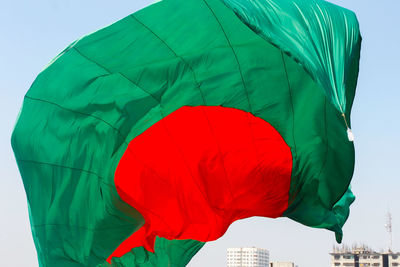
(247, 257)
(281, 264)
(363, 257)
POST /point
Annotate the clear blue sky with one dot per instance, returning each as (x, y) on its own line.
(33, 32)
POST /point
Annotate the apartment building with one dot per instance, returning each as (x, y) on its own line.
(363, 257)
(247, 257)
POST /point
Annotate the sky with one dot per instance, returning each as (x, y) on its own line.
(33, 32)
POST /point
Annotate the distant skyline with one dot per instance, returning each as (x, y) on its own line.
(34, 32)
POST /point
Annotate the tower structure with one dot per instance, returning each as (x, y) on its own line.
(388, 226)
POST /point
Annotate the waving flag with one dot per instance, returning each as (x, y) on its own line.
(145, 139)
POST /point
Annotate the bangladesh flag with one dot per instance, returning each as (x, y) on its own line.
(145, 139)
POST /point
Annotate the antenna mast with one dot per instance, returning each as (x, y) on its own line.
(388, 227)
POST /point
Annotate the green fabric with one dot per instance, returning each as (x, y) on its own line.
(110, 86)
(169, 253)
(321, 36)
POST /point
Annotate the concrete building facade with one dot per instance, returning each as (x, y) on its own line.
(281, 264)
(247, 257)
(363, 257)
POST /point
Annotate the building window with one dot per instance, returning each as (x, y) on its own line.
(395, 264)
(337, 263)
(337, 257)
(394, 257)
(348, 264)
(376, 264)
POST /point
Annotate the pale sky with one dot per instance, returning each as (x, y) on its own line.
(33, 32)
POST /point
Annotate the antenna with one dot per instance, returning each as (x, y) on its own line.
(388, 226)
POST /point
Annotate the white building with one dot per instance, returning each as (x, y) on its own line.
(247, 257)
(281, 264)
(363, 257)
